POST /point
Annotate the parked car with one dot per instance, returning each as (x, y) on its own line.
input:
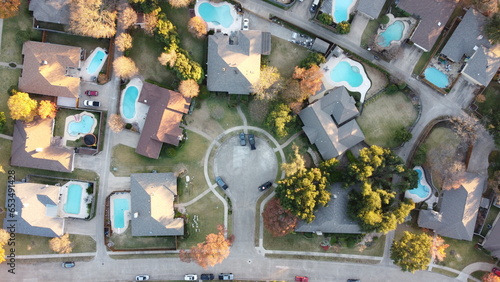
(190, 277)
(142, 277)
(251, 140)
(221, 183)
(314, 6)
(496, 271)
(353, 280)
(301, 278)
(246, 24)
(243, 139)
(106, 231)
(68, 264)
(91, 93)
(265, 186)
(90, 103)
(206, 276)
(226, 276)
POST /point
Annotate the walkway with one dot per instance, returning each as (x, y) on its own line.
(7, 137)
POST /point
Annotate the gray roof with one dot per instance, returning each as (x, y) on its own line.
(233, 63)
(371, 8)
(52, 11)
(483, 65)
(320, 45)
(36, 207)
(321, 123)
(492, 241)
(467, 37)
(332, 218)
(433, 14)
(152, 200)
(459, 207)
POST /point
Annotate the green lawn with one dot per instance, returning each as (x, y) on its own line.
(461, 253)
(9, 78)
(285, 56)
(33, 245)
(126, 241)
(492, 215)
(488, 104)
(369, 32)
(382, 117)
(60, 123)
(227, 116)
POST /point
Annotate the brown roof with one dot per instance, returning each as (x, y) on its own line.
(433, 16)
(32, 147)
(166, 109)
(45, 69)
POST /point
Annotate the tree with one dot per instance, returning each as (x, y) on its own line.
(91, 18)
(269, 84)
(3, 121)
(438, 249)
(296, 164)
(47, 109)
(303, 193)
(453, 175)
(9, 8)
(412, 251)
(22, 107)
(116, 123)
(325, 19)
(466, 127)
(123, 41)
(197, 26)
(179, 3)
(383, 19)
(151, 21)
(145, 6)
(312, 58)
(292, 93)
(344, 27)
(277, 220)
(186, 68)
(402, 135)
(492, 28)
(486, 7)
(213, 251)
(4, 237)
(309, 79)
(189, 88)
(168, 58)
(490, 277)
(125, 67)
(128, 17)
(279, 118)
(61, 244)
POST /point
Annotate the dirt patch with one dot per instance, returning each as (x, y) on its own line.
(378, 79)
(201, 120)
(285, 55)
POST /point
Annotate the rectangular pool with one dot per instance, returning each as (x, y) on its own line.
(73, 199)
(119, 208)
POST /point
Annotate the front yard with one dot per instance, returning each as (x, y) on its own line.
(9, 78)
(126, 241)
(35, 245)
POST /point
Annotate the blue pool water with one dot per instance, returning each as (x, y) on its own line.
(120, 206)
(393, 33)
(73, 199)
(96, 62)
(217, 15)
(83, 126)
(436, 77)
(343, 71)
(422, 191)
(342, 10)
(129, 100)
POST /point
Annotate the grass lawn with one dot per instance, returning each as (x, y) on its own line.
(87, 43)
(381, 118)
(285, 56)
(478, 274)
(31, 245)
(126, 241)
(492, 215)
(9, 78)
(227, 116)
(462, 253)
(369, 32)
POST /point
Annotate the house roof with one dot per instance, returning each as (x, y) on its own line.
(166, 109)
(152, 200)
(483, 65)
(467, 37)
(233, 63)
(52, 11)
(36, 208)
(492, 240)
(319, 45)
(433, 14)
(46, 69)
(322, 127)
(371, 8)
(459, 207)
(332, 218)
(32, 147)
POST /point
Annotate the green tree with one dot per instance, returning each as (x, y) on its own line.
(325, 19)
(22, 107)
(279, 118)
(412, 251)
(492, 28)
(383, 19)
(344, 27)
(402, 135)
(145, 6)
(312, 58)
(186, 68)
(3, 121)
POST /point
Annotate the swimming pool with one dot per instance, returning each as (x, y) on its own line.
(217, 15)
(73, 199)
(344, 71)
(423, 190)
(130, 97)
(393, 33)
(120, 205)
(341, 10)
(83, 126)
(436, 77)
(96, 62)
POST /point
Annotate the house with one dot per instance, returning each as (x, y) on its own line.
(458, 210)
(152, 205)
(233, 63)
(34, 146)
(370, 9)
(166, 109)
(332, 218)
(492, 240)
(469, 44)
(328, 123)
(52, 70)
(433, 16)
(52, 11)
(321, 46)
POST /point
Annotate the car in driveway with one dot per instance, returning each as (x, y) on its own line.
(226, 276)
(207, 276)
(90, 103)
(496, 271)
(91, 93)
(246, 24)
(221, 182)
(68, 264)
(251, 140)
(243, 139)
(142, 277)
(301, 278)
(190, 277)
(265, 186)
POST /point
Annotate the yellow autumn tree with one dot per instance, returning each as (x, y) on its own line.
(179, 3)
(9, 8)
(123, 42)
(128, 17)
(61, 244)
(47, 109)
(125, 67)
(189, 88)
(22, 107)
(198, 27)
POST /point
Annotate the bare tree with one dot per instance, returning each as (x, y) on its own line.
(179, 3)
(128, 17)
(125, 67)
(269, 84)
(61, 244)
(198, 27)
(189, 88)
(116, 123)
(292, 92)
(123, 41)
(91, 18)
(168, 58)
(466, 127)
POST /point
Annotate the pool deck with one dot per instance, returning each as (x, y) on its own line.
(236, 25)
(84, 74)
(141, 110)
(127, 217)
(77, 117)
(64, 196)
(349, 10)
(407, 22)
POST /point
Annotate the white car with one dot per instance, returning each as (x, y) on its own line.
(190, 277)
(246, 24)
(90, 103)
(143, 277)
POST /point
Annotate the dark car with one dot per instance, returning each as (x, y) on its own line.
(243, 139)
(142, 277)
(68, 264)
(265, 186)
(91, 93)
(301, 278)
(496, 271)
(206, 276)
(221, 183)
(106, 231)
(226, 276)
(91, 103)
(353, 280)
(251, 140)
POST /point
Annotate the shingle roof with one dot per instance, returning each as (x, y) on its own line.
(332, 218)
(31, 147)
(52, 11)
(371, 8)
(483, 65)
(233, 63)
(152, 200)
(459, 207)
(433, 14)
(492, 241)
(44, 69)
(320, 45)
(340, 104)
(36, 207)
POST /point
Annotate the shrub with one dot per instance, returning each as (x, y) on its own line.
(391, 89)
(128, 126)
(344, 27)
(326, 19)
(402, 85)
(312, 58)
(402, 135)
(420, 155)
(350, 156)
(383, 19)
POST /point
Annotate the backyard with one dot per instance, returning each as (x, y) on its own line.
(383, 115)
(369, 32)
(87, 43)
(285, 56)
(60, 125)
